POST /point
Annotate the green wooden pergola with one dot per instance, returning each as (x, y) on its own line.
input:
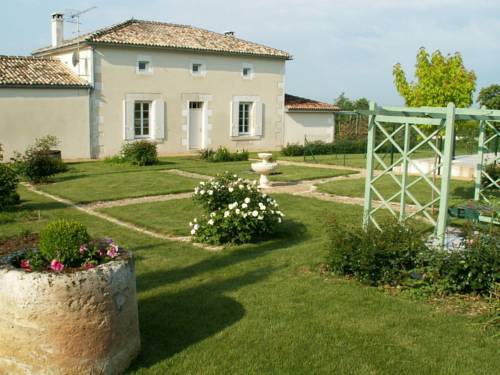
(426, 123)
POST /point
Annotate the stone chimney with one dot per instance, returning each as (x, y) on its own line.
(57, 29)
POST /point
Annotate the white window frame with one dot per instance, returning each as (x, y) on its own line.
(249, 118)
(146, 59)
(202, 71)
(252, 72)
(150, 105)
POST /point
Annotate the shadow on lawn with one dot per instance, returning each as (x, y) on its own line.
(171, 322)
(290, 234)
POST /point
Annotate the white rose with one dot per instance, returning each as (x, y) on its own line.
(210, 222)
(244, 214)
(230, 189)
(226, 213)
(212, 214)
(190, 224)
(279, 220)
(241, 187)
(255, 214)
(244, 205)
(237, 211)
(195, 220)
(247, 200)
(196, 226)
(260, 217)
(202, 192)
(210, 192)
(193, 231)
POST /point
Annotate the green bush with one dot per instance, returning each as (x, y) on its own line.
(222, 154)
(342, 146)
(38, 162)
(475, 268)
(8, 185)
(235, 211)
(292, 149)
(140, 153)
(61, 240)
(374, 257)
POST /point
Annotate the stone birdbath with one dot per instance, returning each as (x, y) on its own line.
(264, 168)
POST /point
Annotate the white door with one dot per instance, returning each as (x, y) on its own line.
(195, 124)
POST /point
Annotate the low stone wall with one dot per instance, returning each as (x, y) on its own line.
(84, 322)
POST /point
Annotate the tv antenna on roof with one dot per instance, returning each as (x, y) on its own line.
(73, 16)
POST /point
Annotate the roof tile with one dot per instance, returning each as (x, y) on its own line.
(36, 71)
(296, 103)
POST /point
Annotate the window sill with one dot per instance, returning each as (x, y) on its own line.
(246, 138)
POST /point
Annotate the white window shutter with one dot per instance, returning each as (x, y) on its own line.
(159, 119)
(257, 124)
(128, 120)
(235, 107)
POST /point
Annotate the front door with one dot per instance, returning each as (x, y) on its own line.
(195, 125)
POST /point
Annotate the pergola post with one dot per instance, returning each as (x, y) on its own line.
(404, 177)
(369, 166)
(446, 173)
(480, 159)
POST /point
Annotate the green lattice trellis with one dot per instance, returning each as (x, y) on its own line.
(487, 143)
(410, 121)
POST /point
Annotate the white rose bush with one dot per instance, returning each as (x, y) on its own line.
(236, 212)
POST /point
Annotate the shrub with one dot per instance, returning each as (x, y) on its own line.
(38, 162)
(374, 257)
(222, 154)
(475, 268)
(62, 239)
(8, 185)
(140, 153)
(292, 149)
(236, 211)
(64, 244)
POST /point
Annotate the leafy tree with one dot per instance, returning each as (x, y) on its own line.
(346, 104)
(440, 80)
(490, 97)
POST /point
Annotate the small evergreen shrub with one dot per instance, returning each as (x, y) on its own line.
(65, 244)
(140, 153)
(374, 257)
(62, 239)
(222, 154)
(235, 212)
(8, 185)
(38, 162)
(341, 146)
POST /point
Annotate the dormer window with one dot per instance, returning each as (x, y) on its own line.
(197, 68)
(144, 65)
(247, 71)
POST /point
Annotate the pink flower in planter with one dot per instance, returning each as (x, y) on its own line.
(56, 266)
(112, 250)
(102, 252)
(88, 266)
(83, 249)
(25, 264)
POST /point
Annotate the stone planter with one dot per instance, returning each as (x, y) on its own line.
(84, 322)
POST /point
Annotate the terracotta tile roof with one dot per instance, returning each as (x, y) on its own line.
(296, 103)
(36, 71)
(168, 35)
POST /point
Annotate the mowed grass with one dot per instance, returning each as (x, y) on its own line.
(282, 173)
(100, 181)
(460, 190)
(169, 217)
(264, 308)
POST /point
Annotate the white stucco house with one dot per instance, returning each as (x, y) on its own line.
(184, 87)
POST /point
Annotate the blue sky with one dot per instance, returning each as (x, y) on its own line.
(338, 45)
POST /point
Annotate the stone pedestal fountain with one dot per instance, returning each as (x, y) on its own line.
(264, 168)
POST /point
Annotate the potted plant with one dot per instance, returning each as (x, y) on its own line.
(69, 306)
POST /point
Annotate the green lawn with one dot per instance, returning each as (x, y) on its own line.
(460, 191)
(96, 181)
(264, 308)
(170, 217)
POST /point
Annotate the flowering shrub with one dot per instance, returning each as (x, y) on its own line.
(67, 244)
(236, 211)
